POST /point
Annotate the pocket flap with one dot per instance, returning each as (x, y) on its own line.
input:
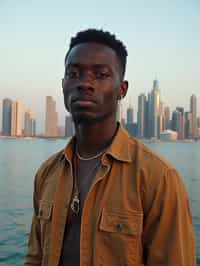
(130, 224)
(45, 210)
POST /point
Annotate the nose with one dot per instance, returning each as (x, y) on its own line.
(86, 81)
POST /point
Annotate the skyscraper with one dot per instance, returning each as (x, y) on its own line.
(178, 122)
(166, 119)
(16, 118)
(51, 121)
(29, 124)
(161, 119)
(193, 110)
(148, 124)
(141, 115)
(129, 115)
(188, 125)
(155, 110)
(6, 117)
(130, 125)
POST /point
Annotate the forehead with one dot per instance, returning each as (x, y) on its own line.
(92, 54)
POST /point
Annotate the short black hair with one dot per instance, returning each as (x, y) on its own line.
(102, 37)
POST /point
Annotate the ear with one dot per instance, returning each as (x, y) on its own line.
(122, 90)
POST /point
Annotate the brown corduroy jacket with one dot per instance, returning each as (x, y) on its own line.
(136, 212)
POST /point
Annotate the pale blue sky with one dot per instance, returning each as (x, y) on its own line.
(162, 38)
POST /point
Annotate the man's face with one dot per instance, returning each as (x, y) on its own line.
(91, 85)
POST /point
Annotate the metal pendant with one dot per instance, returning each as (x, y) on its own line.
(75, 205)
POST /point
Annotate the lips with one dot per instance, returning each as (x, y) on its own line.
(83, 99)
(82, 102)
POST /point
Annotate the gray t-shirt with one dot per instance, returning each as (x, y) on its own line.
(70, 255)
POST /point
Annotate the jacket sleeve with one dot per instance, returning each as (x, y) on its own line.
(34, 254)
(168, 236)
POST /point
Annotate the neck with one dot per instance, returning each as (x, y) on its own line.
(93, 138)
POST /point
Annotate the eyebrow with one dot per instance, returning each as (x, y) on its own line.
(82, 65)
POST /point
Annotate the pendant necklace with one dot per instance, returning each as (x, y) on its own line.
(75, 204)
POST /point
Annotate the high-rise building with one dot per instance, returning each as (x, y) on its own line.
(188, 125)
(129, 115)
(129, 124)
(29, 124)
(69, 127)
(166, 119)
(155, 110)
(51, 117)
(161, 119)
(193, 110)
(178, 122)
(175, 119)
(6, 117)
(148, 117)
(16, 118)
(141, 116)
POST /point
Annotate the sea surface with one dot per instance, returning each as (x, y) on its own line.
(19, 160)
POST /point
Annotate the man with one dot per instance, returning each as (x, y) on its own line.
(106, 199)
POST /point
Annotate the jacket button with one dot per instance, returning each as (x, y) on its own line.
(119, 227)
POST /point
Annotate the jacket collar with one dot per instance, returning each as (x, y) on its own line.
(119, 148)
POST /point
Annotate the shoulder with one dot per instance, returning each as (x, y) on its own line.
(157, 179)
(153, 170)
(51, 162)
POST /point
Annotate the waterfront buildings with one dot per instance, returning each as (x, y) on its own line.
(51, 119)
(168, 135)
(130, 126)
(155, 110)
(193, 110)
(16, 118)
(141, 116)
(29, 124)
(153, 118)
(129, 115)
(166, 118)
(6, 117)
(188, 125)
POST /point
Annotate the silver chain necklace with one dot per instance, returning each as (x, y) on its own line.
(89, 158)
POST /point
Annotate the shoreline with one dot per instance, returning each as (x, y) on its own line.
(65, 138)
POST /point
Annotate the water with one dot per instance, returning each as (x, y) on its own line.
(19, 161)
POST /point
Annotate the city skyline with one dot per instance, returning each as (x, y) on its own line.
(153, 118)
(163, 41)
(62, 113)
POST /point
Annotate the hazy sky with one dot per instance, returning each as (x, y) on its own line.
(162, 37)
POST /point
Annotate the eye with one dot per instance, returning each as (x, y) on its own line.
(101, 75)
(72, 74)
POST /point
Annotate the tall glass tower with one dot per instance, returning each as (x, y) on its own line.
(6, 117)
(155, 110)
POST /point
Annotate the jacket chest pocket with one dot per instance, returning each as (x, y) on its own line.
(44, 215)
(119, 237)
